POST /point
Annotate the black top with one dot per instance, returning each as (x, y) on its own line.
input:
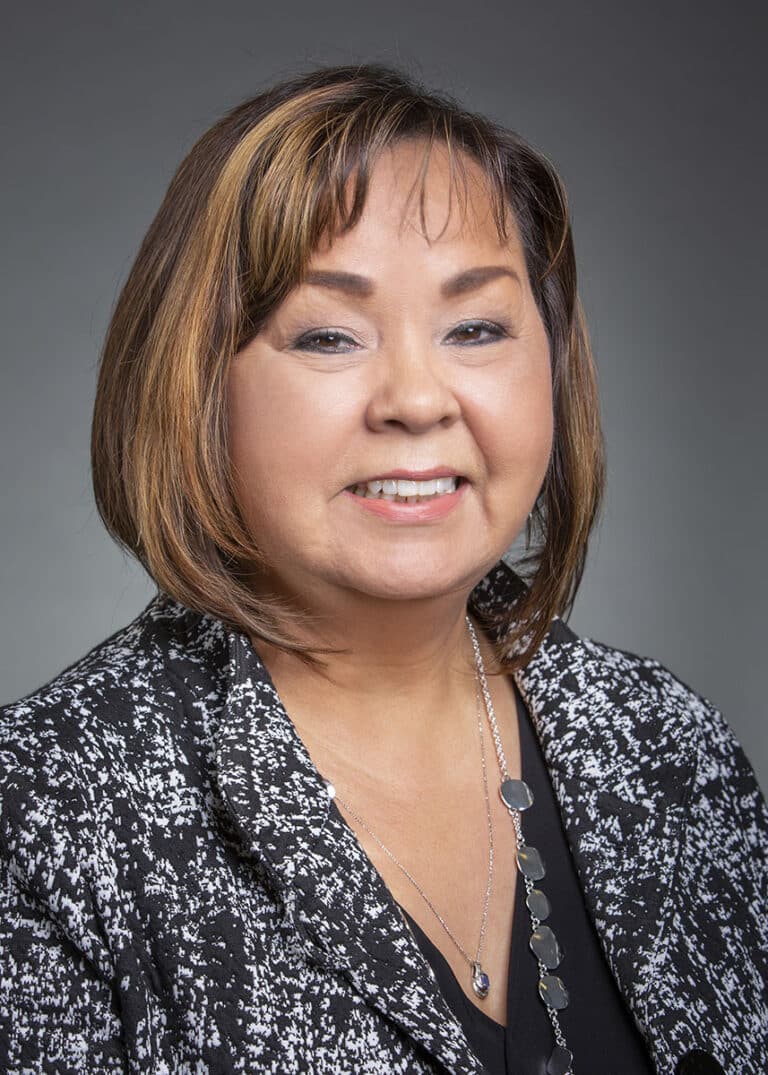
(597, 1024)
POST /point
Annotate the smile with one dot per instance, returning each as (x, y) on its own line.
(405, 491)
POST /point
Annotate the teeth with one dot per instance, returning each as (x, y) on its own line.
(411, 492)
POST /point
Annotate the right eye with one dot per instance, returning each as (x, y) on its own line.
(324, 341)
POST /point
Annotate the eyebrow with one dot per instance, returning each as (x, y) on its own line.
(363, 287)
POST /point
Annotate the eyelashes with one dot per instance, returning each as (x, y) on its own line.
(495, 330)
(337, 342)
(328, 341)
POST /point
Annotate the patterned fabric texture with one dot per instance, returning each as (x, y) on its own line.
(178, 894)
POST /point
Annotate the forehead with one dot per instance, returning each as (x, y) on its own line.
(418, 194)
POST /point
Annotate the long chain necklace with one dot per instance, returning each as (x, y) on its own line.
(517, 797)
(480, 980)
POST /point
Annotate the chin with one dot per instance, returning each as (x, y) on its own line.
(417, 583)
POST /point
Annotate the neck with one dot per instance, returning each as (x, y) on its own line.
(400, 691)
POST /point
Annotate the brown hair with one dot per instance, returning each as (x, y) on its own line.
(242, 216)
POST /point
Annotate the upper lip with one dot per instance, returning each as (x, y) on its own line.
(410, 475)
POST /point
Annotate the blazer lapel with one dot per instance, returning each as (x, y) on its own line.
(621, 757)
(622, 763)
(337, 902)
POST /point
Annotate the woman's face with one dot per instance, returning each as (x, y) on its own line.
(397, 360)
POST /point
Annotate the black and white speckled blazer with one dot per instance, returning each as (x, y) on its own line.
(179, 895)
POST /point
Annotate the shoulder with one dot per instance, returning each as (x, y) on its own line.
(690, 712)
(589, 690)
(611, 677)
(81, 735)
(608, 710)
(668, 721)
(136, 670)
(89, 759)
(84, 760)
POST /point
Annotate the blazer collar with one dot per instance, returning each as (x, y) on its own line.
(336, 901)
(620, 748)
(621, 761)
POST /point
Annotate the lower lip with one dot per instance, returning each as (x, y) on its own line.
(397, 512)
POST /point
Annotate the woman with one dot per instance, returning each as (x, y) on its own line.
(349, 796)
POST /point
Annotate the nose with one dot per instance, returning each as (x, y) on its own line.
(411, 391)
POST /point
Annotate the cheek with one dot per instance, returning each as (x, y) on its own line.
(520, 423)
(259, 418)
(533, 424)
(284, 431)
(265, 455)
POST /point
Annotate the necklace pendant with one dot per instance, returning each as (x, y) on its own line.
(481, 983)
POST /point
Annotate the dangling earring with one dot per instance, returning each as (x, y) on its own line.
(528, 529)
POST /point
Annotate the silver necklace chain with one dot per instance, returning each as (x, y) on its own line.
(562, 1059)
(474, 963)
(551, 988)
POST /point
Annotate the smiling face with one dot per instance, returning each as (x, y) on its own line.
(398, 360)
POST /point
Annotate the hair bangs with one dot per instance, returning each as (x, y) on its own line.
(311, 185)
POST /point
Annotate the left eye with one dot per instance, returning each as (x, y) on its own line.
(481, 332)
(324, 341)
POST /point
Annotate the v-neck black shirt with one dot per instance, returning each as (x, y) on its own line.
(597, 1024)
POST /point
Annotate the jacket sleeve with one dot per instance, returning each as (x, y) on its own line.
(56, 1014)
(729, 808)
(720, 937)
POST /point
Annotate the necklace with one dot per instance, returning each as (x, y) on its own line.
(480, 981)
(517, 797)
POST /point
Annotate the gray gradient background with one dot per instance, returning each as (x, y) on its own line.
(654, 115)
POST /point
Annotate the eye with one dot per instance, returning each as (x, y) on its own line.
(478, 332)
(324, 341)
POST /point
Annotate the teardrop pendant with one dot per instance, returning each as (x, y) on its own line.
(560, 1061)
(481, 983)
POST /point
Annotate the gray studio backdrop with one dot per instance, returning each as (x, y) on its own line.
(654, 114)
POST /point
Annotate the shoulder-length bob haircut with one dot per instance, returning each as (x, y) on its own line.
(243, 215)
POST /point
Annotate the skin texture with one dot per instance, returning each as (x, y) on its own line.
(408, 380)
